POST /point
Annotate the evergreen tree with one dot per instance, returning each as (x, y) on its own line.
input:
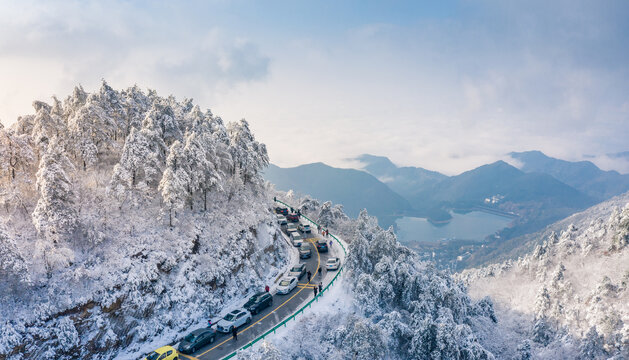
(542, 331)
(91, 131)
(524, 350)
(175, 181)
(249, 156)
(139, 165)
(46, 125)
(15, 153)
(54, 216)
(592, 346)
(12, 262)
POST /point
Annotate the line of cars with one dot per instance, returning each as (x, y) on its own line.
(198, 338)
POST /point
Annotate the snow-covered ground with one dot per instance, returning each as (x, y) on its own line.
(569, 297)
(387, 303)
(127, 218)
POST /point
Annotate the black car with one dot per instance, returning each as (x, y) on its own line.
(259, 302)
(281, 210)
(305, 252)
(322, 245)
(196, 340)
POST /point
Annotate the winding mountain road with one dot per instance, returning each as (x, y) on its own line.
(283, 305)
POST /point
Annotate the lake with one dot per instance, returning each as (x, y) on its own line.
(475, 225)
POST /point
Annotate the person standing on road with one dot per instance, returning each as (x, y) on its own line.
(235, 333)
(320, 287)
(209, 323)
(266, 288)
(330, 244)
(315, 291)
(309, 275)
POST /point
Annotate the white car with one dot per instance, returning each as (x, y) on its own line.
(296, 239)
(286, 285)
(234, 319)
(297, 271)
(281, 219)
(292, 227)
(333, 263)
(305, 228)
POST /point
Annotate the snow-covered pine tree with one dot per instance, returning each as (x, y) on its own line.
(12, 262)
(91, 131)
(46, 125)
(162, 116)
(139, 167)
(74, 102)
(135, 104)
(110, 101)
(16, 154)
(201, 171)
(175, 181)
(249, 156)
(54, 216)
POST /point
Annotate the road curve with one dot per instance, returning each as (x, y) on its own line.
(283, 307)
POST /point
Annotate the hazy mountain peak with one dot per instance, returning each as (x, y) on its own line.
(582, 175)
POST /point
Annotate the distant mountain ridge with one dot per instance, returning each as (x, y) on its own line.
(538, 198)
(582, 175)
(542, 191)
(406, 180)
(354, 189)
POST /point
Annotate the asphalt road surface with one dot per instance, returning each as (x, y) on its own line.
(283, 306)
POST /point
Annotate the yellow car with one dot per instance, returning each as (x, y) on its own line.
(163, 353)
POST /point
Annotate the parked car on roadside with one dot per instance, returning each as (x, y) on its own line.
(305, 252)
(281, 210)
(163, 353)
(234, 319)
(259, 302)
(297, 271)
(305, 228)
(333, 263)
(322, 245)
(291, 228)
(196, 340)
(293, 217)
(296, 239)
(286, 285)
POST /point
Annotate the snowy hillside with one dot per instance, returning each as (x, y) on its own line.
(570, 295)
(126, 217)
(388, 305)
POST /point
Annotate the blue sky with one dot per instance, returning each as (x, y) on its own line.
(446, 85)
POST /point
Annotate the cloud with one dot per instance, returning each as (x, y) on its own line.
(47, 48)
(445, 89)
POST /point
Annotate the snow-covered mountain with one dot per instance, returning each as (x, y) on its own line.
(126, 218)
(389, 305)
(569, 296)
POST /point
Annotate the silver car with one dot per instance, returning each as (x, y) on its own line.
(234, 319)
